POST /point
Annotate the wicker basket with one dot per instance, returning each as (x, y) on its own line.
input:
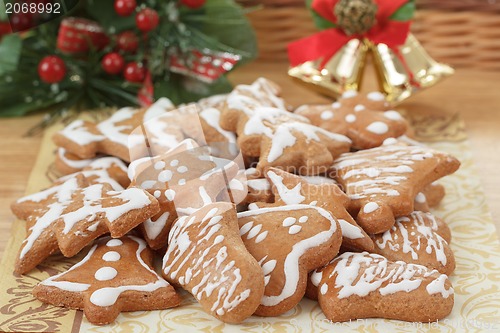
(463, 33)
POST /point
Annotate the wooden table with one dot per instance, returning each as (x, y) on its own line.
(474, 94)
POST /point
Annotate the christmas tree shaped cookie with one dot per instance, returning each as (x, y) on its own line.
(74, 214)
(116, 276)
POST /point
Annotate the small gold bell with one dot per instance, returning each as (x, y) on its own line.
(406, 70)
(342, 72)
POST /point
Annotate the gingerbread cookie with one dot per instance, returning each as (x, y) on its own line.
(67, 163)
(383, 182)
(183, 180)
(359, 117)
(109, 170)
(74, 214)
(206, 256)
(215, 101)
(288, 242)
(285, 140)
(364, 285)
(416, 239)
(289, 189)
(116, 276)
(246, 98)
(118, 135)
(430, 196)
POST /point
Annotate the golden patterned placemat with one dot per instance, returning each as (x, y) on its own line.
(476, 279)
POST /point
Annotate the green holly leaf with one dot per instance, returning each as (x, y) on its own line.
(103, 12)
(405, 12)
(319, 21)
(224, 26)
(10, 52)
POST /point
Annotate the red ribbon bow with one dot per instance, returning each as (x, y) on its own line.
(325, 44)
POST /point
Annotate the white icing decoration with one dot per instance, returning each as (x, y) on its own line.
(78, 133)
(184, 253)
(325, 115)
(324, 289)
(259, 184)
(420, 198)
(362, 273)
(111, 256)
(108, 296)
(291, 263)
(170, 194)
(350, 94)
(182, 169)
(392, 115)
(114, 243)
(350, 118)
(370, 207)
(423, 235)
(174, 163)
(289, 221)
(75, 164)
(437, 287)
(260, 237)
(336, 105)
(378, 127)
(359, 108)
(212, 117)
(105, 273)
(154, 228)
(294, 229)
(289, 196)
(376, 96)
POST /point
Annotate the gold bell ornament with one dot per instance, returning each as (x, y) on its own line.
(332, 61)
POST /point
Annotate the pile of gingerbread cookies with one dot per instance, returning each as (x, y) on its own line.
(251, 207)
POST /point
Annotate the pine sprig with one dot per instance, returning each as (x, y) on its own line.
(220, 25)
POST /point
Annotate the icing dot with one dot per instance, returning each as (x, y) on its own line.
(420, 198)
(268, 267)
(303, 219)
(336, 105)
(111, 256)
(157, 194)
(378, 127)
(170, 194)
(314, 203)
(182, 169)
(182, 182)
(245, 228)
(218, 239)
(289, 221)
(350, 118)
(148, 184)
(159, 165)
(174, 163)
(105, 273)
(261, 237)
(255, 230)
(349, 94)
(165, 176)
(390, 141)
(114, 242)
(324, 288)
(370, 207)
(325, 115)
(294, 229)
(359, 107)
(392, 115)
(376, 96)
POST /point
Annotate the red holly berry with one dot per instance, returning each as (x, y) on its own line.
(21, 21)
(127, 41)
(193, 4)
(51, 69)
(147, 20)
(113, 63)
(125, 7)
(4, 29)
(135, 72)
